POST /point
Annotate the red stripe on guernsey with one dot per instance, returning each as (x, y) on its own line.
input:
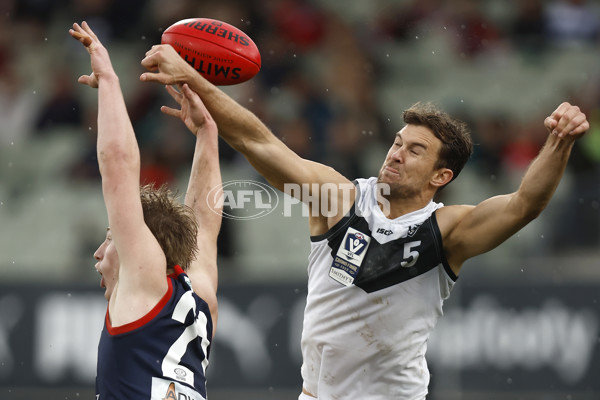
(178, 271)
(145, 319)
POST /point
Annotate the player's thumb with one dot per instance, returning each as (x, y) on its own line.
(170, 111)
(150, 77)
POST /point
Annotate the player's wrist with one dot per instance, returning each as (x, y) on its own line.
(558, 143)
(108, 77)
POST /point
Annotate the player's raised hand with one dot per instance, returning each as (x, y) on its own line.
(165, 65)
(567, 120)
(100, 61)
(193, 112)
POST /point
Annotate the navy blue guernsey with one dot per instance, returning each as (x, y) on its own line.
(163, 355)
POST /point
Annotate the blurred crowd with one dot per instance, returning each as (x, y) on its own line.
(321, 89)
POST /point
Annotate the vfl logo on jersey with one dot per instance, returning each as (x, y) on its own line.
(412, 229)
(349, 257)
(355, 243)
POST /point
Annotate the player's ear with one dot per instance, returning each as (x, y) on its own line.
(441, 177)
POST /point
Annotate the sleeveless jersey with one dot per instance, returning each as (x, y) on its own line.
(163, 355)
(375, 291)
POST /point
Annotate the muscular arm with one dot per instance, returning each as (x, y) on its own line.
(246, 133)
(472, 230)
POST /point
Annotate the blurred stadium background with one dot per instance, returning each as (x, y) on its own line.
(523, 321)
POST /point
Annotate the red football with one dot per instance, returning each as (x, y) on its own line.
(220, 52)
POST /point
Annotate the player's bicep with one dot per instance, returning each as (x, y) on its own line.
(481, 228)
(327, 193)
(283, 168)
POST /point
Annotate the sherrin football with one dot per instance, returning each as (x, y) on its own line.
(220, 52)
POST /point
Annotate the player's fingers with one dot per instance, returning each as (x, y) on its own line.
(83, 38)
(560, 110)
(193, 97)
(570, 118)
(159, 77)
(76, 27)
(558, 114)
(580, 129)
(89, 30)
(153, 56)
(550, 123)
(190, 94)
(150, 67)
(171, 111)
(149, 62)
(174, 94)
(152, 50)
(88, 80)
(196, 102)
(584, 127)
(150, 77)
(578, 124)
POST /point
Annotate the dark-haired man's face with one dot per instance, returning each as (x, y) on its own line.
(409, 165)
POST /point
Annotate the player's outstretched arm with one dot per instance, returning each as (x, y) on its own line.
(204, 192)
(237, 125)
(469, 231)
(142, 262)
(247, 134)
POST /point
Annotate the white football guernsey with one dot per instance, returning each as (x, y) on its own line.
(375, 291)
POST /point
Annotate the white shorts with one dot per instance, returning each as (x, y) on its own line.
(304, 396)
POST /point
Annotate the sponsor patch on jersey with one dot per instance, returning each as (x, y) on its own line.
(349, 257)
(164, 389)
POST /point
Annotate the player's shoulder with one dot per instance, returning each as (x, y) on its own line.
(449, 216)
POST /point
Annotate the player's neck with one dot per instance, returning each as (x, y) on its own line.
(393, 208)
